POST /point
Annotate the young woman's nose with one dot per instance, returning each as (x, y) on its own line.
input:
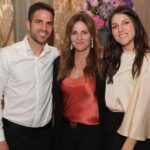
(120, 27)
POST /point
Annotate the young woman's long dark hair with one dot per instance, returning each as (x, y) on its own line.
(113, 50)
(94, 64)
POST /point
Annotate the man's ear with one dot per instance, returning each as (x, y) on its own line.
(28, 25)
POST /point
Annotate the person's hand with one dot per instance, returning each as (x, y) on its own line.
(129, 144)
(3, 145)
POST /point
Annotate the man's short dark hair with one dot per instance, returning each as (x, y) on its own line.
(37, 6)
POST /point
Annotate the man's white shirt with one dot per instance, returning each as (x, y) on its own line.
(26, 83)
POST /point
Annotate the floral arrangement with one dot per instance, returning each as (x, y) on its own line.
(101, 9)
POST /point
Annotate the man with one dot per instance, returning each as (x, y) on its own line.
(26, 83)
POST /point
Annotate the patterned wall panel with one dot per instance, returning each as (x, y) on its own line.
(6, 23)
(45, 1)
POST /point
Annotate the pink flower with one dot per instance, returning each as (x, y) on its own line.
(85, 7)
(106, 1)
(100, 10)
(89, 13)
(115, 3)
(94, 3)
(99, 22)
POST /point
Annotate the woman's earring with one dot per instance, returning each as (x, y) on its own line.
(92, 44)
(71, 47)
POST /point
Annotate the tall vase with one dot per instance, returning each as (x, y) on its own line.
(103, 33)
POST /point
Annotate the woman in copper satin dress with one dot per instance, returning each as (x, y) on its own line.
(79, 86)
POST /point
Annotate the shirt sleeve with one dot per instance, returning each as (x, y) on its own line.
(136, 122)
(4, 73)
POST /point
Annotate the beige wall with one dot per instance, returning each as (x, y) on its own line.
(142, 8)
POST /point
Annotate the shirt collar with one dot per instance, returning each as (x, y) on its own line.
(28, 50)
